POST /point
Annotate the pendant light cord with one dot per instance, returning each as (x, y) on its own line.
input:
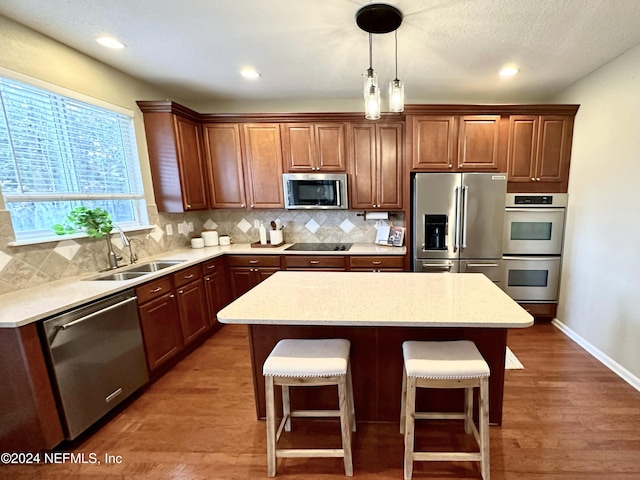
(396, 35)
(371, 52)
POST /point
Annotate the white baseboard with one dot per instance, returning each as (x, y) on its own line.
(607, 361)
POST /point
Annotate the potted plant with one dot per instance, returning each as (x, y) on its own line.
(95, 222)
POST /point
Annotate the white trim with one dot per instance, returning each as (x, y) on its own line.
(607, 361)
(20, 77)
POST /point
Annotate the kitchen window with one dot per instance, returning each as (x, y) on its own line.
(62, 150)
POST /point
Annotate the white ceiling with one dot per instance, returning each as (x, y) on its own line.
(449, 51)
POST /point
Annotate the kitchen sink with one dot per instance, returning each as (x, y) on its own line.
(138, 270)
(119, 276)
(154, 266)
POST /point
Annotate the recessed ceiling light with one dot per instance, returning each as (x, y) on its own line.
(250, 73)
(509, 71)
(109, 42)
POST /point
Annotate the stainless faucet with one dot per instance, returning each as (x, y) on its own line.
(126, 242)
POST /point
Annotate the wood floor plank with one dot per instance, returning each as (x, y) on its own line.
(566, 417)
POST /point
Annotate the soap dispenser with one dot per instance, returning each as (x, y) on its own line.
(263, 234)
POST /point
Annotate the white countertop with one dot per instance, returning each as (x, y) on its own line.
(377, 299)
(36, 303)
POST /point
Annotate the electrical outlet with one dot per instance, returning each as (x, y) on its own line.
(181, 229)
(169, 228)
(256, 224)
(191, 226)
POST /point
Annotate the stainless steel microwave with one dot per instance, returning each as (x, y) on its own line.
(315, 190)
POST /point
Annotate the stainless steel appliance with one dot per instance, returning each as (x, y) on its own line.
(315, 190)
(533, 237)
(458, 222)
(534, 223)
(97, 358)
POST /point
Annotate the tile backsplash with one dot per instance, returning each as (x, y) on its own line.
(31, 265)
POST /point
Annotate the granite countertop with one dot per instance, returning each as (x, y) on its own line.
(383, 299)
(36, 303)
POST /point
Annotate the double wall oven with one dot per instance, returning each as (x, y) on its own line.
(533, 237)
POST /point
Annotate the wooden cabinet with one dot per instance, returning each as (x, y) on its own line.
(315, 262)
(177, 164)
(192, 303)
(246, 271)
(223, 152)
(216, 288)
(367, 263)
(376, 165)
(160, 322)
(308, 147)
(539, 152)
(263, 165)
(456, 143)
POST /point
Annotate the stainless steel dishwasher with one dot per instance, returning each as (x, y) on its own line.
(97, 357)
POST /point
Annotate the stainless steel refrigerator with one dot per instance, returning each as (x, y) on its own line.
(458, 222)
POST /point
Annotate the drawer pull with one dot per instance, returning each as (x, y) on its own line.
(253, 261)
(187, 277)
(211, 267)
(314, 262)
(377, 262)
(180, 292)
(156, 290)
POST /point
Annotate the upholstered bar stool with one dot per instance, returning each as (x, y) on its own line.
(456, 364)
(309, 363)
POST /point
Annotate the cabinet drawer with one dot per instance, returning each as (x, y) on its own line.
(314, 261)
(154, 289)
(254, 261)
(187, 275)
(376, 262)
(212, 266)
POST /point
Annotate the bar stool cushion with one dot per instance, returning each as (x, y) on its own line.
(454, 360)
(308, 358)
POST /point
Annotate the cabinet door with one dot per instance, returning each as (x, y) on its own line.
(223, 152)
(242, 280)
(192, 304)
(434, 142)
(523, 147)
(329, 143)
(191, 164)
(478, 143)
(263, 162)
(263, 273)
(554, 149)
(363, 166)
(161, 333)
(298, 147)
(216, 288)
(389, 166)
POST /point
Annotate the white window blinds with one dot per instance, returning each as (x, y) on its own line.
(57, 153)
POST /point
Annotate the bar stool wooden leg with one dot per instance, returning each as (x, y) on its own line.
(484, 427)
(468, 409)
(409, 428)
(271, 427)
(352, 407)
(345, 424)
(286, 408)
(403, 399)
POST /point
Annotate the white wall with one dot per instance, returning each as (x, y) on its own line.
(600, 290)
(30, 53)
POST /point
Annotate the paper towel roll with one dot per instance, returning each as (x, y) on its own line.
(376, 216)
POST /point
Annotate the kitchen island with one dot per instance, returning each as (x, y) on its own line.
(377, 312)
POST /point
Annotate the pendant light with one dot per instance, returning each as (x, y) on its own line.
(380, 18)
(396, 88)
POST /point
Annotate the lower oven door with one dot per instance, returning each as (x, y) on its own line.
(531, 279)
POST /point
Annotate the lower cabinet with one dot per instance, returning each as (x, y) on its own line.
(246, 271)
(216, 288)
(315, 262)
(376, 264)
(192, 303)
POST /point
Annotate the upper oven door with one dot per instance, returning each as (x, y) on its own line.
(533, 231)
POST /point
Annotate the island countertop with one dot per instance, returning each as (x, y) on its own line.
(401, 299)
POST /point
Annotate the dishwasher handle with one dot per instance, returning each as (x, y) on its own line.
(99, 312)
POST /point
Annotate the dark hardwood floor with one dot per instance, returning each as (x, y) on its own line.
(566, 416)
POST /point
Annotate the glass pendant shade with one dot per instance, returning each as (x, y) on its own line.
(370, 80)
(396, 96)
(372, 103)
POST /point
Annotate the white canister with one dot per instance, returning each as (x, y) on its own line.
(275, 236)
(197, 242)
(210, 238)
(225, 240)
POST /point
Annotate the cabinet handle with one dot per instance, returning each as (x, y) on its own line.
(187, 277)
(377, 262)
(538, 179)
(242, 205)
(156, 290)
(253, 261)
(314, 262)
(172, 296)
(211, 267)
(533, 179)
(251, 205)
(208, 279)
(188, 206)
(450, 165)
(180, 292)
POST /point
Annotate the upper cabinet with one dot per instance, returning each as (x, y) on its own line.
(263, 165)
(175, 156)
(539, 152)
(456, 143)
(376, 156)
(309, 147)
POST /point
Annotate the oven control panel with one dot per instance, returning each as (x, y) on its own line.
(536, 200)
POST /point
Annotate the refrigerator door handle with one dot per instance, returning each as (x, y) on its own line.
(465, 204)
(456, 232)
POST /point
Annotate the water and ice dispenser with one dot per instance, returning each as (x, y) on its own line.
(435, 231)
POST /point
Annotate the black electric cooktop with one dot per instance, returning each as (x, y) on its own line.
(323, 247)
